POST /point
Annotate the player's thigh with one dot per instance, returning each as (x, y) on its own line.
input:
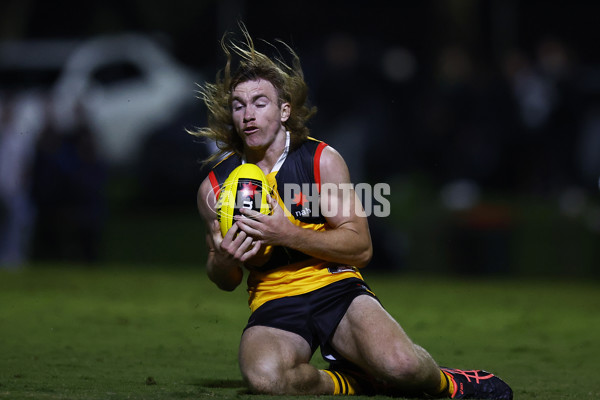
(266, 350)
(370, 337)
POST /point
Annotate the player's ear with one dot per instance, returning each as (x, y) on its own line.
(285, 111)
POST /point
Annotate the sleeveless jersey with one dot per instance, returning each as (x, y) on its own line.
(289, 272)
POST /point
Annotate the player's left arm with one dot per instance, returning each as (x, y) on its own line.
(348, 240)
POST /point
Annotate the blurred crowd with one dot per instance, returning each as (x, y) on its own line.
(528, 123)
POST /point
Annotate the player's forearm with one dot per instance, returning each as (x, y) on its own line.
(225, 276)
(343, 245)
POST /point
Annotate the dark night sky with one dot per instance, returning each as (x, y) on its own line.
(193, 27)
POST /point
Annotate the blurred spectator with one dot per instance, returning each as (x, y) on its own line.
(18, 131)
(550, 110)
(68, 190)
(466, 121)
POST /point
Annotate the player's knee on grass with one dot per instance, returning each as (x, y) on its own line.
(264, 378)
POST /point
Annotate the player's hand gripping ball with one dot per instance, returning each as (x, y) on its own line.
(246, 187)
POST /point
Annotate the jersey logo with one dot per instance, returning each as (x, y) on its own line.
(301, 200)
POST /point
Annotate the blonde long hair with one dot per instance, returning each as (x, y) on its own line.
(288, 80)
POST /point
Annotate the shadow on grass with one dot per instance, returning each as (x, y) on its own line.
(223, 384)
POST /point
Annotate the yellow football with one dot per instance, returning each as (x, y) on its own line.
(245, 187)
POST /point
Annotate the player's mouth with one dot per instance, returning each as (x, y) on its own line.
(249, 130)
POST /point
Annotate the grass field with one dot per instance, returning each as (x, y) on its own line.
(168, 333)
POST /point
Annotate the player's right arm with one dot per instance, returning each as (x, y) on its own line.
(225, 254)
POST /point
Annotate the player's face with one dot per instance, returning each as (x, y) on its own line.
(257, 116)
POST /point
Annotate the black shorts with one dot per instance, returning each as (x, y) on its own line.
(314, 315)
